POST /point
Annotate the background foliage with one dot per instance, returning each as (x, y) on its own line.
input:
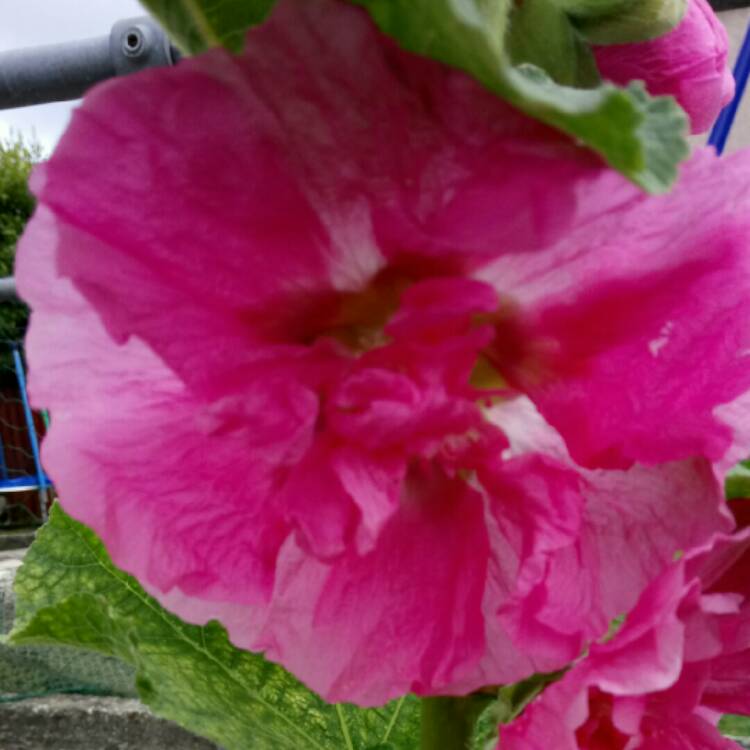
(17, 157)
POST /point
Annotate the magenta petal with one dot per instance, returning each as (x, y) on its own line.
(280, 193)
(134, 453)
(634, 326)
(407, 615)
(647, 654)
(579, 546)
(645, 688)
(602, 539)
(728, 690)
(338, 497)
(693, 733)
(538, 507)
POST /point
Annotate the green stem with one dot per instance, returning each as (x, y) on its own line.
(448, 723)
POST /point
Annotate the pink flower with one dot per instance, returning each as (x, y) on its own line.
(275, 298)
(681, 659)
(690, 63)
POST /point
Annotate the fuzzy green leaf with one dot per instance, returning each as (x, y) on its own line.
(641, 136)
(69, 593)
(197, 25)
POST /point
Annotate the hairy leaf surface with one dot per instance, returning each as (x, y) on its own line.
(69, 592)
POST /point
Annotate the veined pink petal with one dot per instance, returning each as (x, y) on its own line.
(300, 184)
(690, 63)
(575, 527)
(567, 588)
(407, 615)
(572, 549)
(633, 339)
(109, 439)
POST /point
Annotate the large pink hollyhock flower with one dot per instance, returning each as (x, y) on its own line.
(690, 63)
(270, 308)
(680, 661)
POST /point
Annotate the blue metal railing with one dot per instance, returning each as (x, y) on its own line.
(41, 479)
(723, 125)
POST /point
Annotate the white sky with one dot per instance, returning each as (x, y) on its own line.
(31, 22)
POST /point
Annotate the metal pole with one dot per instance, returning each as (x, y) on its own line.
(33, 441)
(8, 291)
(60, 72)
(720, 131)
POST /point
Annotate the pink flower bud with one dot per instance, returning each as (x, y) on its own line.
(690, 63)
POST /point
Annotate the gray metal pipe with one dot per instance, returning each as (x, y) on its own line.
(60, 72)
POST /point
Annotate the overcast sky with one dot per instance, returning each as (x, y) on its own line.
(31, 22)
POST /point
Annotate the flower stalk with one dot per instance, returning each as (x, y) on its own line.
(448, 722)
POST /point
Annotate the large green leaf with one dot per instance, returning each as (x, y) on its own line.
(197, 25)
(69, 592)
(641, 136)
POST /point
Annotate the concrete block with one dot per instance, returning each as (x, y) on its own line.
(17, 539)
(75, 722)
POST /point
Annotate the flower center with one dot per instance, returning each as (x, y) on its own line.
(361, 316)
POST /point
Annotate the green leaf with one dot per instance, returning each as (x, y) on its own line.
(197, 25)
(735, 726)
(737, 482)
(540, 33)
(641, 136)
(68, 592)
(636, 21)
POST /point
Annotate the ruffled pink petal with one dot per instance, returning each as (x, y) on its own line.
(630, 334)
(646, 655)
(690, 63)
(568, 532)
(572, 549)
(646, 516)
(212, 541)
(161, 476)
(567, 590)
(727, 689)
(539, 728)
(292, 185)
(538, 508)
(644, 688)
(690, 732)
(407, 615)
